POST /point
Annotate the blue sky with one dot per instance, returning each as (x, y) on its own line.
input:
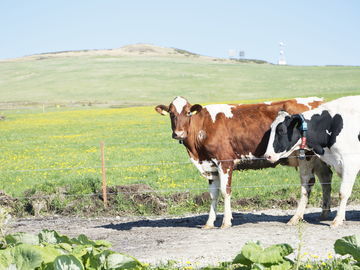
(315, 32)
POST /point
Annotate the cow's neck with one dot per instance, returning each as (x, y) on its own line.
(192, 142)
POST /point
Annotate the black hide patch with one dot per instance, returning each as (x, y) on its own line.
(323, 131)
(286, 134)
(359, 137)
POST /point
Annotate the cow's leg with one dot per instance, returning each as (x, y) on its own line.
(225, 174)
(214, 185)
(349, 173)
(307, 181)
(324, 173)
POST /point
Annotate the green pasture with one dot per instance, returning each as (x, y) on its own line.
(59, 147)
(62, 149)
(129, 81)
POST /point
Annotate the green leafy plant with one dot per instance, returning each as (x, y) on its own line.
(349, 245)
(254, 256)
(50, 250)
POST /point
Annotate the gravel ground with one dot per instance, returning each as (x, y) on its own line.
(159, 239)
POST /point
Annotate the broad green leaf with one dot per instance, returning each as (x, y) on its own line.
(47, 266)
(84, 240)
(81, 250)
(270, 255)
(48, 236)
(348, 245)
(258, 266)
(240, 259)
(103, 243)
(53, 237)
(22, 238)
(4, 261)
(5, 258)
(48, 253)
(121, 261)
(95, 260)
(67, 262)
(26, 257)
(64, 246)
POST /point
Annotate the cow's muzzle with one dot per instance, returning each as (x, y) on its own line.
(179, 135)
(270, 158)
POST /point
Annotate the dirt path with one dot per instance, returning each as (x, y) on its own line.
(180, 238)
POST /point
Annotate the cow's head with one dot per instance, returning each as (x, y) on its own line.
(285, 136)
(180, 111)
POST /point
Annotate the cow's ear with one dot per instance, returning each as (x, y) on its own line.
(162, 109)
(195, 109)
(295, 121)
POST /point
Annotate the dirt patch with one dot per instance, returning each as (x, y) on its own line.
(136, 199)
(203, 199)
(139, 195)
(180, 238)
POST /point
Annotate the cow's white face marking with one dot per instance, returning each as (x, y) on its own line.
(306, 101)
(215, 109)
(267, 102)
(179, 103)
(270, 151)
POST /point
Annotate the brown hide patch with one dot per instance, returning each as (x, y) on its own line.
(315, 104)
(246, 132)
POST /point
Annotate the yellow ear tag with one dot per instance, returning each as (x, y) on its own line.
(164, 112)
(192, 113)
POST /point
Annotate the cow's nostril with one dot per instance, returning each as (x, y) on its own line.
(268, 157)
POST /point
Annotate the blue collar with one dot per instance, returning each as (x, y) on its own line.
(304, 126)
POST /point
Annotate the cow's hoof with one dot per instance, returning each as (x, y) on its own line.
(336, 223)
(207, 227)
(324, 215)
(225, 226)
(294, 221)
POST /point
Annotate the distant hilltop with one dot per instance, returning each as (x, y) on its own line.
(129, 50)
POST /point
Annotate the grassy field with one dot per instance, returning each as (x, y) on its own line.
(60, 147)
(129, 81)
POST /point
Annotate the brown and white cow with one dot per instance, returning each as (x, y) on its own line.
(221, 138)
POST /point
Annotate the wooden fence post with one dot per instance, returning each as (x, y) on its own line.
(103, 169)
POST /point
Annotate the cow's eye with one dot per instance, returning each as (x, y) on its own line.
(281, 129)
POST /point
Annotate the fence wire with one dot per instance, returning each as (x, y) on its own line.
(150, 164)
(164, 163)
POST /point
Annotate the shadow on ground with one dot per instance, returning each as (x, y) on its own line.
(238, 219)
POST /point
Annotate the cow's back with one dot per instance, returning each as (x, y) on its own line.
(245, 134)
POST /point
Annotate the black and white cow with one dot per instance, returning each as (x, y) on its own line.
(332, 131)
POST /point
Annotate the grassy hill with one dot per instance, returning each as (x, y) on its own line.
(146, 75)
(57, 152)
